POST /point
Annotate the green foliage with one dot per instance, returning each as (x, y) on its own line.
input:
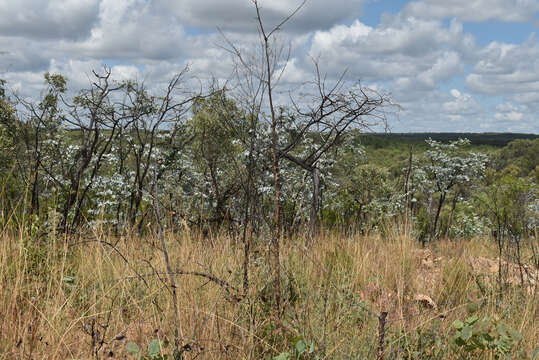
(519, 154)
(446, 171)
(154, 351)
(7, 130)
(364, 196)
(215, 160)
(478, 139)
(467, 222)
(301, 349)
(425, 343)
(474, 337)
(510, 204)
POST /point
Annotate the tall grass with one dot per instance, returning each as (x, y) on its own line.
(87, 297)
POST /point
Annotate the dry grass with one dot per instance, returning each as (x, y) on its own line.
(87, 299)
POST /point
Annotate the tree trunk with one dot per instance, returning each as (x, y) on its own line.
(438, 210)
(315, 206)
(449, 222)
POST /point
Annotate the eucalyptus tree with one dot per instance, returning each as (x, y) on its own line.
(9, 151)
(447, 167)
(7, 128)
(152, 126)
(511, 205)
(42, 126)
(215, 152)
(326, 113)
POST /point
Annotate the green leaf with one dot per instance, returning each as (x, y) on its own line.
(515, 335)
(282, 356)
(132, 348)
(300, 347)
(457, 324)
(466, 333)
(472, 320)
(154, 349)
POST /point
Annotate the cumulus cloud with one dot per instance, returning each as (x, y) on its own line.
(461, 104)
(510, 111)
(416, 52)
(238, 15)
(506, 69)
(132, 29)
(59, 19)
(475, 10)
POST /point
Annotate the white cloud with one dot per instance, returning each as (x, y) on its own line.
(415, 53)
(132, 29)
(238, 15)
(506, 69)
(78, 72)
(512, 116)
(125, 72)
(293, 73)
(52, 19)
(475, 10)
(462, 104)
(510, 111)
(529, 97)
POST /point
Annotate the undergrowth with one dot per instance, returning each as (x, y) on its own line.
(108, 297)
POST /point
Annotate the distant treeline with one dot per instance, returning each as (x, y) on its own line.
(494, 139)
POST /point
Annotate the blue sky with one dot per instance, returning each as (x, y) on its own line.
(460, 65)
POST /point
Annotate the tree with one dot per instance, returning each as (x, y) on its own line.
(7, 128)
(510, 203)
(448, 166)
(360, 194)
(329, 111)
(9, 151)
(216, 150)
(152, 123)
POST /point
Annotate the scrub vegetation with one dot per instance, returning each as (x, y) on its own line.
(228, 223)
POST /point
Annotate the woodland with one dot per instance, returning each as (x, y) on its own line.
(219, 221)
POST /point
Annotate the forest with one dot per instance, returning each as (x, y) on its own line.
(220, 221)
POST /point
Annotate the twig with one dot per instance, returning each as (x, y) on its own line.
(169, 267)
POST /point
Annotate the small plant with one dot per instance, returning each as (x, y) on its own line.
(424, 343)
(476, 336)
(153, 352)
(302, 349)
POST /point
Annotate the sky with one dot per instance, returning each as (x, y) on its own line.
(451, 65)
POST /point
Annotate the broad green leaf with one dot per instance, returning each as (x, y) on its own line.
(282, 356)
(472, 320)
(300, 347)
(154, 349)
(457, 324)
(466, 332)
(132, 348)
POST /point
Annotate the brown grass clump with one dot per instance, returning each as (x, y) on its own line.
(86, 298)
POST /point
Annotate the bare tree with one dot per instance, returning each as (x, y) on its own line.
(145, 118)
(92, 115)
(260, 72)
(329, 111)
